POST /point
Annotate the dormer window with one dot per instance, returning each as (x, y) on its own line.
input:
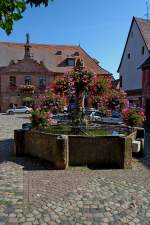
(76, 54)
(142, 50)
(59, 52)
(70, 62)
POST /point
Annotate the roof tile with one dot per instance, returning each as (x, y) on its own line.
(144, 26)
(47, 54)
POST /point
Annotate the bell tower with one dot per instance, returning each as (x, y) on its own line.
(27, 47)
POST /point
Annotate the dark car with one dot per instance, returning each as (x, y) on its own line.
(27, 126)
(61, 118)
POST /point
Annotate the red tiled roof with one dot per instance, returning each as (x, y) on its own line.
(48, 55)
(144, 26)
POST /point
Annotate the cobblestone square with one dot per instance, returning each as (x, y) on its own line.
(31, 193)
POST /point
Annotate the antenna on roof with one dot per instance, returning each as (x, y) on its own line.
(79, 43)
(147, 10)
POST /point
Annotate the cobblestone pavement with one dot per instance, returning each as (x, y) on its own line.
(30, 193)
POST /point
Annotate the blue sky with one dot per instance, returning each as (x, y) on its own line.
(100, 26)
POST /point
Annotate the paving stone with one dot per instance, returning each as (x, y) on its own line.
(12, 220)
(27, 223)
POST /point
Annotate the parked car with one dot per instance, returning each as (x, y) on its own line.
(99, 117)
(27, 126)
(88, 111)
(19, 109)
(96, 115)
(112, 120)
(115, 114)
(61, 118)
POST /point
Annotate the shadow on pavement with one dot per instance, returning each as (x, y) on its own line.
(6, 149)
(28, 163)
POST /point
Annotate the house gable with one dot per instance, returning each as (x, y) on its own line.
(144, 35)
(135, 53)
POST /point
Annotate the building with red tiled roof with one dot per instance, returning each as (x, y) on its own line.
(37, 65)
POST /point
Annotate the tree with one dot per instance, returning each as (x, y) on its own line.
(11, 10)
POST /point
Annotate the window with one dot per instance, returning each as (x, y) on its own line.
(129, 55)
(59, 53)
(142, 50)
(70, 62)
(12, 81)
(21, 107)
(76, 54)
(42, 81)
(27, 80)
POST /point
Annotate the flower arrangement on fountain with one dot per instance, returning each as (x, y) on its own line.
(100, 93)
(105, 98)
(46, 105)
(133, 117)
(76, 84)
(62, 86)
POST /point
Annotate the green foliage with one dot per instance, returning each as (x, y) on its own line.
(11, 10)
(133, 117)
(28, 99)
(102, 86)
(39, 119)
(104, 111)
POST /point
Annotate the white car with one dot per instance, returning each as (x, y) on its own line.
(19, 109)
(98, 117)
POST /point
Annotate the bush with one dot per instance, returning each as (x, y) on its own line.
(133, 117)
(38, 119)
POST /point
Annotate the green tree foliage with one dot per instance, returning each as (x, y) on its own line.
(11, 10)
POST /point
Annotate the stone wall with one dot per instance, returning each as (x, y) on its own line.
(107, 151)
(61, 151)
(52, 148)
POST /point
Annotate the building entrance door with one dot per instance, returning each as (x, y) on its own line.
(147, 110)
